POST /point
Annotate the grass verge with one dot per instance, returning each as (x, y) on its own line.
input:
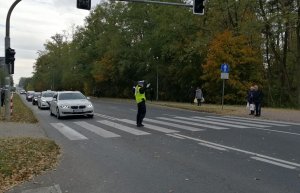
(21, 113)
(23, 158)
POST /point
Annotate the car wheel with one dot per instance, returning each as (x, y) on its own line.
(57, 114)
(90, 116)
(51, 114)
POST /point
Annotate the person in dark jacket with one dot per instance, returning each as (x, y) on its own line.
(2, 92)
(250, 100)
(258, 99)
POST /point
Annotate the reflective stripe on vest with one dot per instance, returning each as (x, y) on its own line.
(138, 96)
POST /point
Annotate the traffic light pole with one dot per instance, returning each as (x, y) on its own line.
(7, 70)
(158, 2)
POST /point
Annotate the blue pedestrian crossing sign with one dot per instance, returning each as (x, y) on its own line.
(225, 68)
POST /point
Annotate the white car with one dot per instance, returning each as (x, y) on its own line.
(44, 100)
(69, 103)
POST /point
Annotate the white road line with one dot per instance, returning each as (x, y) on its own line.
(97, 130)
(255, 121)
(232, 122)
(274, 163)
(192, 123)
(68, 132)
(213, 147)
(171, 135)
(105, 116)
(269, 121)
(51, 189)
(240, 150)
(123, 128)
(212, 122)
(277, 131)
(173, 125)
(153, 127)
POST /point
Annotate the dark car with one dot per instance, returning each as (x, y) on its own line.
(29, 95)
(35, 97)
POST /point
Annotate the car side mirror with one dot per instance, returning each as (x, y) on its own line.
(88, 98)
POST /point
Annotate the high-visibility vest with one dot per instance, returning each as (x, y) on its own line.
(138, 96)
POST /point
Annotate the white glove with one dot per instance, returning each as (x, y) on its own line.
(148, 85)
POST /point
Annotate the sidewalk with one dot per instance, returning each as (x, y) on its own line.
(11, 129)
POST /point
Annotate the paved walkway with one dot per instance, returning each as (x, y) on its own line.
(10, 129)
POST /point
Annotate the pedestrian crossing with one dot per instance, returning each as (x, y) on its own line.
(112, 127)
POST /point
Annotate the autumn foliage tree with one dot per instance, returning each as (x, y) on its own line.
(245, 68)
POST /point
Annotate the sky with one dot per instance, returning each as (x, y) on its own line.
(32, 23)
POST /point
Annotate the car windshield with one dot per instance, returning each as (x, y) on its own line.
(71, 96)
(37, 94)
(48, 94)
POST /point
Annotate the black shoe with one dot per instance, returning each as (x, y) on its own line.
(140, 125)
(257, 115)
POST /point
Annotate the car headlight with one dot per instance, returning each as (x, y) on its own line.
(43, 100)
(64, 106)
(90, 106)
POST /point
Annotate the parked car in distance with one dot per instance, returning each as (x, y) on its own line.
(44, 100)
(35, 97)
(29, 95)
(69, 103)
(22, 91)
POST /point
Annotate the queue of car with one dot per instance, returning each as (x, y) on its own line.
(61, 103)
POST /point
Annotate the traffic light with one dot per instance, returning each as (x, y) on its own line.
(84, 4)
(10, 60)
(198, 7)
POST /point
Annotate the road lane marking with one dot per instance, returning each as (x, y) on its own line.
(123, 128)
(213, 147)
(149, 126)
(212, 122)
(192, 123)
(273, 130)
(68, 132)
(105, 116)
(173, 125)
(257, 121)
(240, 150)
(97, 130)
(273, 162)
(51, 189)
(232, 122)
(266, 120)
(253, 120)
(171, 135)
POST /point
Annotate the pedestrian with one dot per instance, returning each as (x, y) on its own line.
(257, 99)
(151, 94)
(250, 101)
(2, 97)
(199, 96)
(140, 98)
(191, 95)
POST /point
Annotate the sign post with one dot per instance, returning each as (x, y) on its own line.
(224, 76)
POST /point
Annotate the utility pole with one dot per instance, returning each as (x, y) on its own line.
(7, 70)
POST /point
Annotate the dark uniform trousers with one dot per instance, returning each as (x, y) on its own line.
(141, 112)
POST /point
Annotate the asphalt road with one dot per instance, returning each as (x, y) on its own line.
(177, 151)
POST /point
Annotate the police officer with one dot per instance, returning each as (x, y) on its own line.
(2, 92)
(140, 98)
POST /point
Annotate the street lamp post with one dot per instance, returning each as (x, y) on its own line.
(7, 70)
